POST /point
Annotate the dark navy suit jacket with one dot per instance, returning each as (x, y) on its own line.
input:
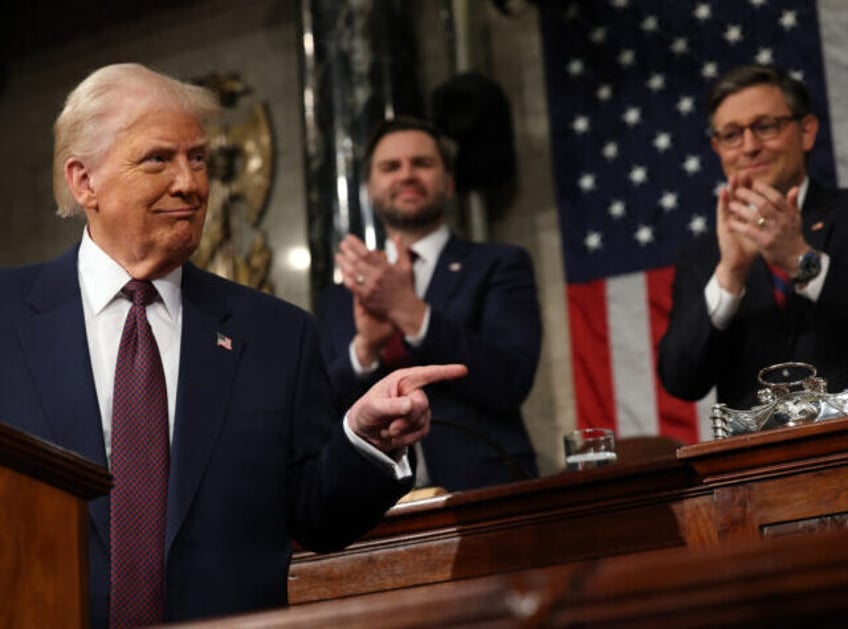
(484, 314)
(258, 455)
(694, 356)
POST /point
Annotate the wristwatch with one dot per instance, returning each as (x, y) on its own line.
(809, 266)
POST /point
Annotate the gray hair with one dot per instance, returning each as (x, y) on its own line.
(106, 101)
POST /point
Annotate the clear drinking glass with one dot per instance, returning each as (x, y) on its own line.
(588, 448)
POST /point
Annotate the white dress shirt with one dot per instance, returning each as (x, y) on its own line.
(105, 309)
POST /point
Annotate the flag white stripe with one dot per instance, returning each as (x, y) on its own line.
(632, 356)
(833, 24)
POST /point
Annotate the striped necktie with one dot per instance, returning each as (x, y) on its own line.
(780, 285)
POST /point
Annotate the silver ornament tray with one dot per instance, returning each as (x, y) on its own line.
(792, 394)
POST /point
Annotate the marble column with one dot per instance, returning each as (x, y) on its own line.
(358, 66)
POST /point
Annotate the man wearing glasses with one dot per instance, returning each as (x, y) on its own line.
(771, 287)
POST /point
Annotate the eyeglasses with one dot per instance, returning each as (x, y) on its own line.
(763, 129)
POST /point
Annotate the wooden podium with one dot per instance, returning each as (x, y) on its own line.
(43, 531)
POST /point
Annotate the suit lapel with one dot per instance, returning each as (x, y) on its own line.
(817, 215)
(207, 369)
(448, 273)
(55, 345)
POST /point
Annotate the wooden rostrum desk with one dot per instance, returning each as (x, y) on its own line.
(44, 494)
(736, 491)
(794, 581)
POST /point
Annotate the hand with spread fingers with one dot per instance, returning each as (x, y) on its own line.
(360, 267)
(769, 220)
(387, 291)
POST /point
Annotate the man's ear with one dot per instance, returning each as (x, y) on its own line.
(809, 129)
(714, 144)
(78, 177)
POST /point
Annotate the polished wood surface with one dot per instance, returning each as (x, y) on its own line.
(56, 466)
(792, 582)
(43, 532)
(569, 517)
(745, 488)
(779, 482)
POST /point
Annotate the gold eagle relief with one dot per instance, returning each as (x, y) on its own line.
(240, 175)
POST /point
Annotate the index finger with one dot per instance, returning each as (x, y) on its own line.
(414, 378)
(353, 245)
(769, 193)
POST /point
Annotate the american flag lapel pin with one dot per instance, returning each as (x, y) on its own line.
(817, 226)
(454, 266)
(224, 341)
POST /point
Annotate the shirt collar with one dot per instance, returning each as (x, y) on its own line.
(101, 279)
(428, 248)
(802, 192)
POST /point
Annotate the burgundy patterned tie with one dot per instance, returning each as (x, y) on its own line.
(395, 354)
(139, 462)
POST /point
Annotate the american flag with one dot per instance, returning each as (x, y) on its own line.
(636, 178)
(222, 340)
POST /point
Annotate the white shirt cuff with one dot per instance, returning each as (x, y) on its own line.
(721, 304)
(400, 468)
(358, 368)
(417, 339)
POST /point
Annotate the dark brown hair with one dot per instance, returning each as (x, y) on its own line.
(406, 123)
(737, 79)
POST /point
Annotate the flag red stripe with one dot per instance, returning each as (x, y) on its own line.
(590, 354)
(678, 418)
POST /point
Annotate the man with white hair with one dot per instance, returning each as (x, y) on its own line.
(208, 400)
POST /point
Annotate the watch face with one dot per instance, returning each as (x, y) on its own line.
(809, 266)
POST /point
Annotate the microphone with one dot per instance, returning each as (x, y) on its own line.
(515, 470)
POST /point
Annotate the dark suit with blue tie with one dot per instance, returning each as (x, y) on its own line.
(484, 314)
(258, 456)
(694, 356)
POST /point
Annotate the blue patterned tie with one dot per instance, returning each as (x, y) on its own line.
(139, 465)
(779, 285)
